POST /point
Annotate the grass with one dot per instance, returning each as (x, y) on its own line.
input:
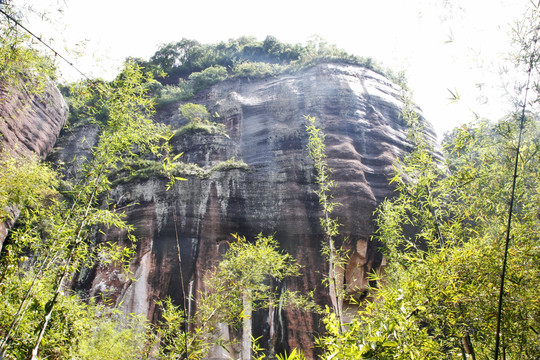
(206, 126)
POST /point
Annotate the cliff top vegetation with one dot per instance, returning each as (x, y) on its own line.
(183, 68)
(244, 57)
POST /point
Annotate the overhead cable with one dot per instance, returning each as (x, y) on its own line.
(38, 38)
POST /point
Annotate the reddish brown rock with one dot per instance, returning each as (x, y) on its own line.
(359, 112)
(31, 123)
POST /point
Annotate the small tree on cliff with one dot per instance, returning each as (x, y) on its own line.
(334, 255)
(240, 284)
(246, 272)
(194, 112)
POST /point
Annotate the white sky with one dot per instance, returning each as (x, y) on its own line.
(400, 34)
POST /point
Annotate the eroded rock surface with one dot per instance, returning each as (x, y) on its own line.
(30, 123)
(359, 112)
(29, 126)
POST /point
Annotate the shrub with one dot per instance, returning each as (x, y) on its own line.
(146, 169)
(211, 128)
(207, 77)
(169, 94)
(194, 112)
(230, 164)
(256, 69)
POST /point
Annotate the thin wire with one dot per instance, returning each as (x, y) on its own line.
(56, 53)
(512, 196)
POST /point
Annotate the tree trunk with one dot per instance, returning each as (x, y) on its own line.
(246, 326)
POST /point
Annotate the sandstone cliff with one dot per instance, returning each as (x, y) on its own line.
(359, 112)
(29, 126)
(31, 123)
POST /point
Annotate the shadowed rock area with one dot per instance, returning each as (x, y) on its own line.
(359, 112)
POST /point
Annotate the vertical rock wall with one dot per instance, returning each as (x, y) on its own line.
(29, 126)
(31, 123)
(359, 112)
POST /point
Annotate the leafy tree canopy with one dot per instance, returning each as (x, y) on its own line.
(186, 57)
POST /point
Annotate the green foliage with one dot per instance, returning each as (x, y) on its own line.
(168, 169)
(207, 77)
(194, 112)
(170, 94)
(198, 118)
(22, 66)
(374, 335)
(204, 126)
(25, 183)
(246, 272)
(256, 351)
(335, 256)
(244, 57)
(191, 66)
(89, 109)
(146, 169)
(76, 331)
(294, 355)
(443, 234)
(149, 69)
(52, 240)
(185, 57)
(317, 50)
(247, 265)
(317, 152)
(175, 341)
(179, 59)
(109, 334)
(256, 70)
(231, 164)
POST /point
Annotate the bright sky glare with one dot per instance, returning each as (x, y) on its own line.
(442, 45)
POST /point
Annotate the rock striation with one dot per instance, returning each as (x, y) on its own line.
(29, 126)
(358, 110)
(30, 123)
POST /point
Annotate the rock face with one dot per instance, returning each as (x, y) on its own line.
(29, 125)
(359, 113)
